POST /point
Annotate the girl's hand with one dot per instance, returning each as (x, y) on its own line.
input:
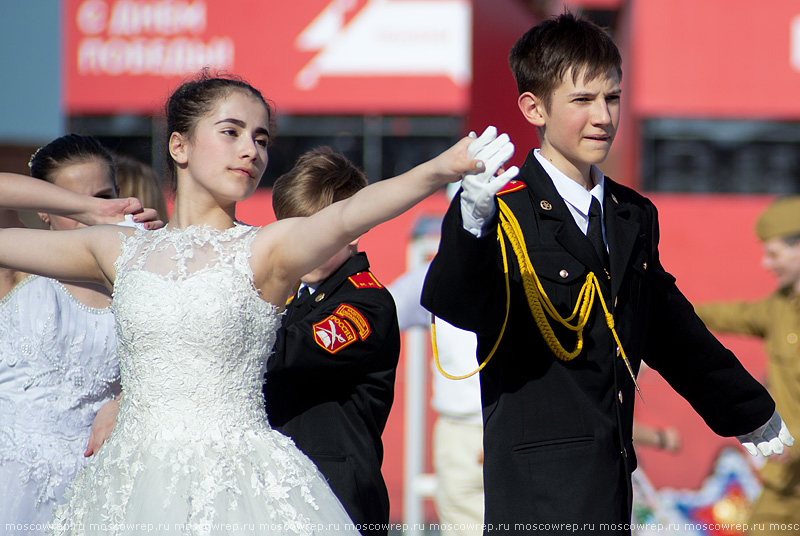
(456, 161)
(103, 424)
(114, 211)
(483, 156)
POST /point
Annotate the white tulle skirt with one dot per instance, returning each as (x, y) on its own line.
(255, 483)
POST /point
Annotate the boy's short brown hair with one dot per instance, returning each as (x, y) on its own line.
(319, 178)
(541, 58)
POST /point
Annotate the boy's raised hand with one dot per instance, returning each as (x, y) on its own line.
(480, 187)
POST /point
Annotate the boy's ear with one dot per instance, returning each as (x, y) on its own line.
(532, 108)
(177, 148)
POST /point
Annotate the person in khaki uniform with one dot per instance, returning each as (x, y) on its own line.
(776, 319)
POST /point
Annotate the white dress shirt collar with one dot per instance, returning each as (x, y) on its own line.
(577, 198)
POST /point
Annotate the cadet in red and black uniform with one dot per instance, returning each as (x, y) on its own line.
(330, 382)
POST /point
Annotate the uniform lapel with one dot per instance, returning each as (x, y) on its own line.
(621, 232)
(549, 206)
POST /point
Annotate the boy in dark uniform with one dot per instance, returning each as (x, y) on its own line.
(330, 382)
(558, 392)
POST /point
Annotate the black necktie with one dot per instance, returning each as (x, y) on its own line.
(595, 231)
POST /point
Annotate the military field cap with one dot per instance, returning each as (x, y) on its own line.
(780, 219)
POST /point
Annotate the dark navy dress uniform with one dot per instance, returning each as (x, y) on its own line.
(330, 385)
(557, 433)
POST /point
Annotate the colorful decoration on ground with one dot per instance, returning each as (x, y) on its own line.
(719, 508)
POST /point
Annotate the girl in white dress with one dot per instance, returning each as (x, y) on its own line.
(197, 306)
(58, 361)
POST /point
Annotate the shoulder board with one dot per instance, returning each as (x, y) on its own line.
(364, 280)
(512, 186)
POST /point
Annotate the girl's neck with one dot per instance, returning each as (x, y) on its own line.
(184, 215)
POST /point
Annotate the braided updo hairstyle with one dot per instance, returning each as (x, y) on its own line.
(195, 99)
(66, 151)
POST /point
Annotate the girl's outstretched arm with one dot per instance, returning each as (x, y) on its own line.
(81, 255)
(293, 247)
(18, 192)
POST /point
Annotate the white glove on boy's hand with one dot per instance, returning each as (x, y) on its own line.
(769, 438)
(480, 188)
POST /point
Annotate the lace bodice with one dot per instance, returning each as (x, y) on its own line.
(57, 367)
(193, 332)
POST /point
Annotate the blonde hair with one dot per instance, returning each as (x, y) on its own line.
(137, 179)
(319, 178)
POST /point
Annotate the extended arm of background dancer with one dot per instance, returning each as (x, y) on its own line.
(71, 255)
(22, 193)
(668, 439)
(478, 208)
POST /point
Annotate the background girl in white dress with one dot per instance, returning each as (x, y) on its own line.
(58, 361)
(197, 306)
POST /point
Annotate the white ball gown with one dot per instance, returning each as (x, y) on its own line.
(192, 451)
(58, 365)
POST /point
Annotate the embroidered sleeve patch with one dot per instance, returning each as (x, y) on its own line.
(364, 280)
(512, 186)
(354, 315)
(334, 333)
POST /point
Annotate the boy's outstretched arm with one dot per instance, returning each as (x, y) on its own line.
(466, 260)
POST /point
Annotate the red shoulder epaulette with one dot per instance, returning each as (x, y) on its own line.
(364, 280)
(512, 186)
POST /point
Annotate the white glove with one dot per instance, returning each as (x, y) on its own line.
(480, 188)
(769, 438)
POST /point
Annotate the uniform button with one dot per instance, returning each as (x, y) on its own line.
(619, 352)
(791, 338)
(644, 266)
(320, 297)
(564, 274)
(619, 395)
